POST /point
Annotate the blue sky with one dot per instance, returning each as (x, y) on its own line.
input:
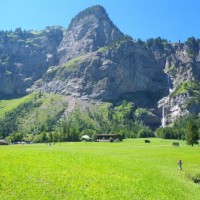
(170, 19)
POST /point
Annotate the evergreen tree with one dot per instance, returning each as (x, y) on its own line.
(192, 133)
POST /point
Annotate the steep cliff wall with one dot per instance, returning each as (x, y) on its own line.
(94, 60)
(25, 56)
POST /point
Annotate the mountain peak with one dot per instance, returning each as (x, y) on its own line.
(97, 11)
(93, 13)
(89, 30)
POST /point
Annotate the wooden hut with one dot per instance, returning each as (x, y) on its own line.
(108, 137)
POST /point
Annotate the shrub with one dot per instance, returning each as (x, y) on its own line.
(194, 177)
(145, 132)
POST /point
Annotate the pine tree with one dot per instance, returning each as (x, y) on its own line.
(192, 133)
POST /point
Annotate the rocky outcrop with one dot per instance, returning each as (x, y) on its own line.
(25, 56)
(87, 32)
(183, 69)
(178, 106)
(181, 66)
(109, 73)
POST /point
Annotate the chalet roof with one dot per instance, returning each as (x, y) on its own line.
(107, 135)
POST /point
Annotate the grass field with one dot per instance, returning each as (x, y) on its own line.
(128, 170)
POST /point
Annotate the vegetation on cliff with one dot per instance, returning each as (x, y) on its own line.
(41, 117)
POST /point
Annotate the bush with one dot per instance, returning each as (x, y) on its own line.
(145, 132)
(194, 177)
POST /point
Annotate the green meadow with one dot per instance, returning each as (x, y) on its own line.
(131, 170)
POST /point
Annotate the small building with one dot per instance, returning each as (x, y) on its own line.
(108, 137)
(3, 142)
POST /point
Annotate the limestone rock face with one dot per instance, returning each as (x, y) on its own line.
(183, 66)
(178, 106)
(88, 31)
(25, 56)
(108, 74)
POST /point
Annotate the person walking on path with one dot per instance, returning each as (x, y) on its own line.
(180, 164)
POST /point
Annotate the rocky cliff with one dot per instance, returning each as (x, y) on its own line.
(108, 73)
(183, 71)
(25, 56)
(87, 32)
(94, 60)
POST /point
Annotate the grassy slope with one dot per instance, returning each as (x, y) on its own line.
(127, 170)
(51, 105)
(8, 105)
(48, 107)
(38, 109)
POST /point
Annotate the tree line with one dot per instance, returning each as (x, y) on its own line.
(124, 119)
